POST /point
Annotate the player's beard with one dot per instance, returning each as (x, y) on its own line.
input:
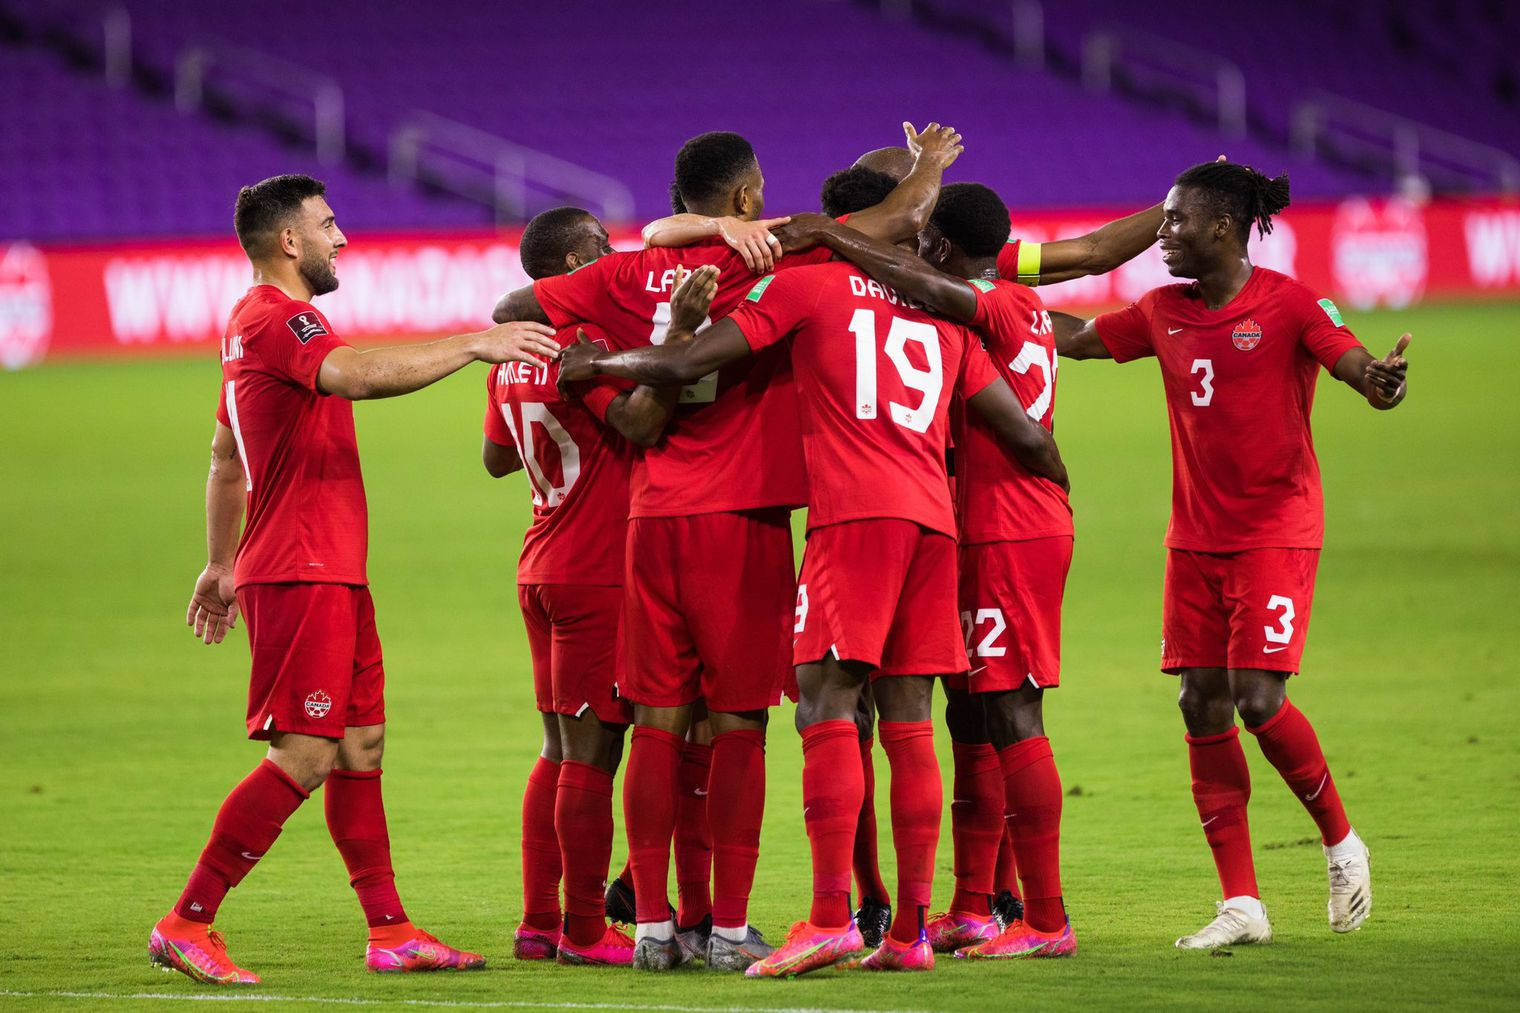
(318, 272)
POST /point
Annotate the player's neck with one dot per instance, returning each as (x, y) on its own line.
(1223, 282)
(984, 268)
(290, 282)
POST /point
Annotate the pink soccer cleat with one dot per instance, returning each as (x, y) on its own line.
(614, 948)
(196, 951)
(949, 932)
(894, 956)
(412, 949)
(534, 944)
(808, 948)
(1019, 940)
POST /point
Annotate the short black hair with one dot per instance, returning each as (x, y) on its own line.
(1239, 191)
(677, 205)
(709, 165)
(973, 217)
(854, 189)
(264, 208)
(549, 236)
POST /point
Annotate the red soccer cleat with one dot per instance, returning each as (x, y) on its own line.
(534, 944)
(1019, 940)
(614, 948)
(949, 932)
(894, 956)
(196, 951)
(408, 948)
(808, 948)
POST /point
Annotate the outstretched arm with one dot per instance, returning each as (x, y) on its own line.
(387, 372)
(1383, 382)
(1077, 338)
(906, 210)
(1029, 442)
(753, 241)
(679, 360)
(1099, 251)
(906, 272)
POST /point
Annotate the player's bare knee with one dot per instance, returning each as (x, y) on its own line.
(905, 698)
(1258, 695)
(965, 716)
(1015, 716)
(362, 748)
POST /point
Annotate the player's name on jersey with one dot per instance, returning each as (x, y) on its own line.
(232, 348)
(871, 287)
(522, 372)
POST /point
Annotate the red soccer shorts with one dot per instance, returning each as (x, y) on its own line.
(882, 592)
(573, 640)
(708, 609)
(1011, 613)
(1236, 610)
(316, 659)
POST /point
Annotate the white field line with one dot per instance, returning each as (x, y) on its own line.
(424, 1003)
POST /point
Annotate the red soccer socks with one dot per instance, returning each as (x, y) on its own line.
(735, 808)
(976, 821)
(1221, 789)
(356, 819)
(649, 816)
(693, 837)
(867, 868)
(832, 788)
(583, 823)
(246, 827)
(1288, 742)
(917, 799)
(540, 848)
(1007, 875)
(1032, 788)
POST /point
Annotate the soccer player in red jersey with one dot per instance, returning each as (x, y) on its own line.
(1240, 348)
(874, 379)
(285, 448)
(578, 452)
(1016, 540)
(710, 580)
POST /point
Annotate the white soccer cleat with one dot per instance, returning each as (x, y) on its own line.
(1350, 869)
(1230, 927)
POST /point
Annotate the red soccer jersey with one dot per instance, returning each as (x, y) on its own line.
(1239, 389)
(998, 499)
(1019, 261)
(307, 520)
(577, 470)
(875, 378)
(734, 443)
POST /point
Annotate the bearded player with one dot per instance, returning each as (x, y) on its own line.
(877, 593)
(285, 449)
(710, 581)
(1240, 348)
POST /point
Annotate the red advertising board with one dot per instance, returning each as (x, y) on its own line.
(169, 296)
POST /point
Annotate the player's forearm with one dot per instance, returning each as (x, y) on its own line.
(905, 272)
(654, 365)
(1029, 443)
(641, 415)
(226, 497)
(1076, 338)
(680, 230)
(389, 372)
(906, 210)
(1102, 250)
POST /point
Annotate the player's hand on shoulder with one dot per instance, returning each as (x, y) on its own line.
(942, 145)
(1387, 378)
(802, 231)
(577, 362)
(213, 604)
(518, 341)
(692, 297)
(753, 241)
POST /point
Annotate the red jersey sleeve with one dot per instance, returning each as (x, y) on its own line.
(1323, 333)
(495, 424)
(598, 395)
(221, 407)
(567, 298)
(774, 308)
(300, 338)
(1126, 333)
(977, 371)
(1019, 261)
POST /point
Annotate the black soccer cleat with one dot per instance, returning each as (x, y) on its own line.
(873, 920)
(620, 903)
(1007, 909)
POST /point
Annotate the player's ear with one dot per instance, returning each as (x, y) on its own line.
(573, 261)
(744, 201)
(290, 242)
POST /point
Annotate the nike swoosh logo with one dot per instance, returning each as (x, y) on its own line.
(699, 792)
(1211, 819)
(1274, 650)
(251, 858)
(1173, 330)
(982, 668)
(1311, 798)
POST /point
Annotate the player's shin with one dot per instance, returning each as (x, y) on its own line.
(247, 825)
(693, 836)
(976, 821)
(1221, 789)
(735, 808)
(867, 867)
(1288, 742)
(917, 803)
(831, 792)
(540, 849)
(649, 816)
(583, 822)
(355, 813)
(1032, 787)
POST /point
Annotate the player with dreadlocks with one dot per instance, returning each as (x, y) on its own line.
(1240, 348)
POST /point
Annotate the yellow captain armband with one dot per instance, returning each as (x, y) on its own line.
(1028, 263)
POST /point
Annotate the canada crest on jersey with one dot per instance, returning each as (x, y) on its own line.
(1246, 335)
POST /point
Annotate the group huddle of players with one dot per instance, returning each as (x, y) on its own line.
(885, 365)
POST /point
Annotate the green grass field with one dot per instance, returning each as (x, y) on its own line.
(123, 733)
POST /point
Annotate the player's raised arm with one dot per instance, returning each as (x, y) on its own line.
(908, 273)
(908, 207)
(1383, 382)
(1077, 338)
(387, 372)
(752, 240)
(213, 606)
(1029, 442)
